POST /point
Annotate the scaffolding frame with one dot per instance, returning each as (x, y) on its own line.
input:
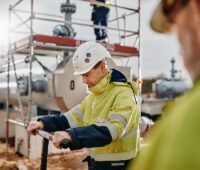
(33, 16)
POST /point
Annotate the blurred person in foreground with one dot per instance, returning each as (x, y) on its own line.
(106, 121)
(174, 143)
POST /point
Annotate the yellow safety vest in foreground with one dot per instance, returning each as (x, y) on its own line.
(174, 143)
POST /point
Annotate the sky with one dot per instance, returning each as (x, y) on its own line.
(156, 49)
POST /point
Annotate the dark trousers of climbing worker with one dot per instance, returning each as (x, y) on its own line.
(100, 18)
(106, 165)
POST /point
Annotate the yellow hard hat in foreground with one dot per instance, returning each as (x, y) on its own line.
(165, 14)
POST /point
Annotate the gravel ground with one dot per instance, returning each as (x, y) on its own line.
(65, 161)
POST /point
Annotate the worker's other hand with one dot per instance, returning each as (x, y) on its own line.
(59, 136)
(33, 126)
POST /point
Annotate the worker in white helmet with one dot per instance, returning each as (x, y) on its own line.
(106, 121)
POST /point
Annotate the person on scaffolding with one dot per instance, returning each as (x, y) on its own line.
(106, 121)
(99, 17)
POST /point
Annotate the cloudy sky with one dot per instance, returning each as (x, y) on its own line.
(156, 49)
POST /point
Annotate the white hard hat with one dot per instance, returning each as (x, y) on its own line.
(87, 56)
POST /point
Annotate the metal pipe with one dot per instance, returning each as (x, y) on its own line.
(22, 124)
(19, 25)
(137, 39)
(19, 32)
(139, 56)
(30, 73)
(122, 7)
(129, 35)
(112, 5)
(12, 7)
(125, 15)
(17, 87)
(21, 19)
(8, 82)
(124, 29)
(116, 11)
(88, 25)
(39, 13)
(48, 14)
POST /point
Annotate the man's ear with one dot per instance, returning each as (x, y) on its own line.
(102, 66)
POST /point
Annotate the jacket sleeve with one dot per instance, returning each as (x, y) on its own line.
(54, 123)
(73, 118)
(86, 136)
(89, 136)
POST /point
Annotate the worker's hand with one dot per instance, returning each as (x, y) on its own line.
(59, 136)
(33, 126)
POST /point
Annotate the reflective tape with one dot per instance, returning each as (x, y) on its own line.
(112, 129)
(120, 118)
(114, 156)
(70, 119)
(77, 112)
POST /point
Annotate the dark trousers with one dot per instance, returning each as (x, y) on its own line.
(100, 18)
(106, 165)
(100, 33)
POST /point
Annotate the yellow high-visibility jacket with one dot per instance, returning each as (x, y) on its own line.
(113, 105)
(106, 121)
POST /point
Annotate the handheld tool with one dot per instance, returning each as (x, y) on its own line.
(46, 137)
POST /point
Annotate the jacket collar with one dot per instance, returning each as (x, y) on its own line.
(102, 84)
(117, 76)
(112, 76)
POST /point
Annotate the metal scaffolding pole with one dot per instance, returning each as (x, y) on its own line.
(83, 24)
(113, 5)
(30, 72)
(124, 29)
(22, 23)
(17, 3)
(116, 11)
(38, 13)
(8, 86)
(21, 19)
(139, 55)
(121, 17)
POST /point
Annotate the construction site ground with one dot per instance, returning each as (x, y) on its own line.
(71, 160)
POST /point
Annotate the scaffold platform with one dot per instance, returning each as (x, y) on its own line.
(46, 45)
